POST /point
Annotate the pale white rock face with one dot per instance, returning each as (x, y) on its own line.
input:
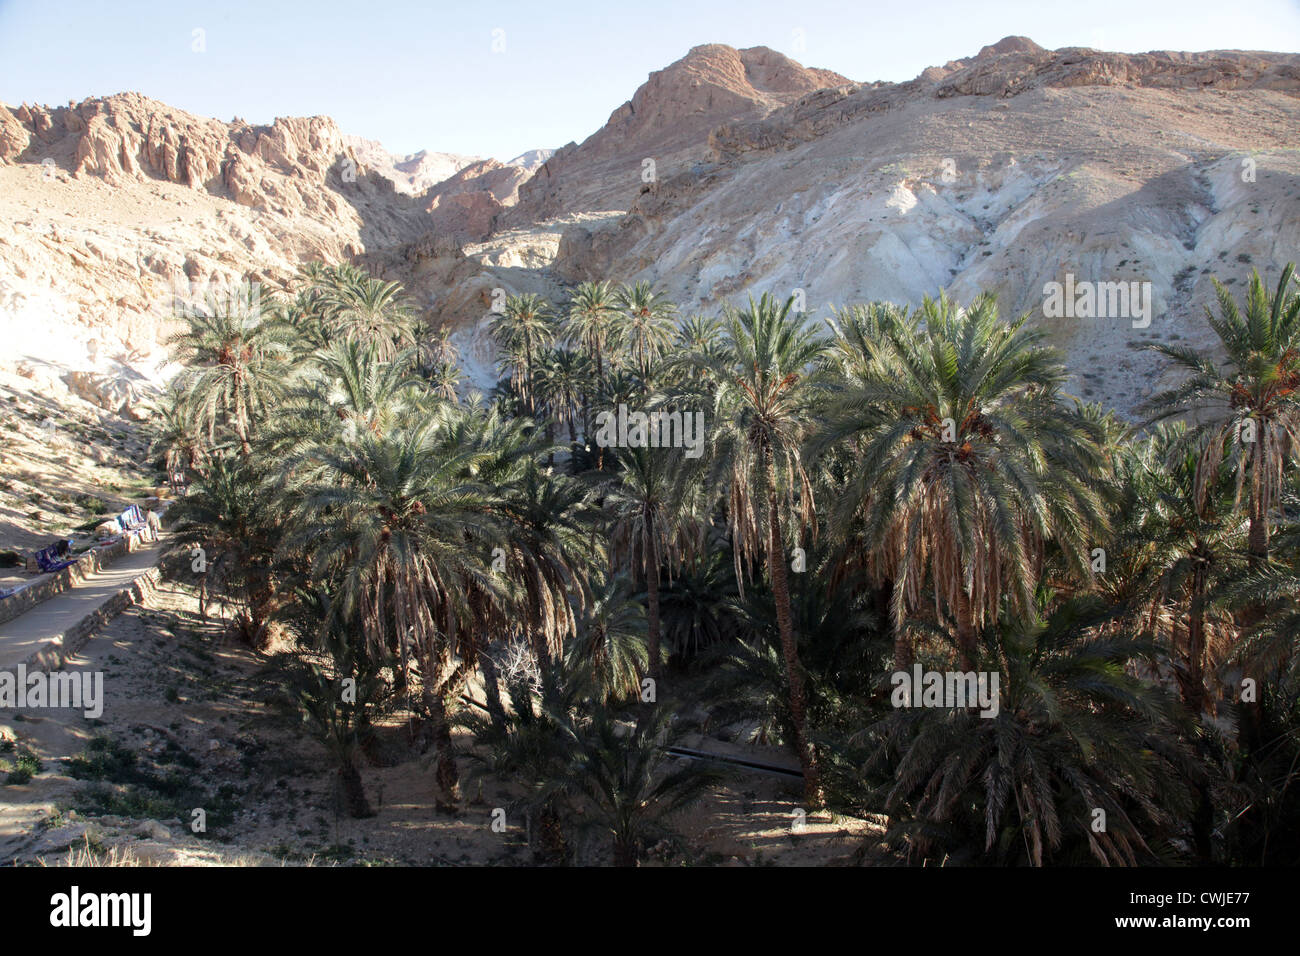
(531, 159)
(1002, 173)
(478, 356)
(411, 174)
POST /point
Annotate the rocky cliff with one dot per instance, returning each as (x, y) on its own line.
(110, 205)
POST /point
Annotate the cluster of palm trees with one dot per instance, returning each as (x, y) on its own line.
(888, 488)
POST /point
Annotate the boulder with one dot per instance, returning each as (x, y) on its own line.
(124, 393)
(14, 136)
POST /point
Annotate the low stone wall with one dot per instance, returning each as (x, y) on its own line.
(44, 588)
(54, 653)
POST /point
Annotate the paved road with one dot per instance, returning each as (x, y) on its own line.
(24, 635)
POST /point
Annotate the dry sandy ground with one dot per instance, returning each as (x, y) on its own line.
(205, 717)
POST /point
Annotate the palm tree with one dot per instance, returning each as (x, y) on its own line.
(654, 504)
(1272, 645)
(645, 326)
(523, 330)
(345, 390)
(395, 522)
(619, 387)
(762, 415)
(177, 433)
(1251, 405)
(230, 514)
(697, 610)
(1075, 733)
(445, 380)
(236, 360)
(620, 774)
(336, 725)
(527, 745)
(1194, 538)
(590, 320)
(608, 654)
(547, 546)
(701, 333)
(965, 462)
(562, 380)
(371, 311)
(434, 346)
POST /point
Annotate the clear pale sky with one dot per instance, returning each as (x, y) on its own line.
(425, 75)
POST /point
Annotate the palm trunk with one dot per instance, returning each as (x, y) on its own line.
(573, 444)
(1250, 721)
(652, 596)
(354, 792)
(624, 852)
(904, 653)
(600, 379)
(446, 774)
(1195, 695)
(1252, 715)
(546, 836)
(241, 430)
(492, 690)
(967, 638)
(1257, 541)
(789, 650)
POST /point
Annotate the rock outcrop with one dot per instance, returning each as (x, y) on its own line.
(467, 204)
(412, 174)
(110, 205)
(666, 124)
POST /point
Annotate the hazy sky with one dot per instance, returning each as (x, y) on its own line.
(426, 75)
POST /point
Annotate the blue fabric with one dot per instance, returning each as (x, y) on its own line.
(47, 560)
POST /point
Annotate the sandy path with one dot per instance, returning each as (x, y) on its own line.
(48, 621)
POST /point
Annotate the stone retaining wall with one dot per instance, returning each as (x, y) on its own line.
(42, 589)
(54, 652)
(96, 559)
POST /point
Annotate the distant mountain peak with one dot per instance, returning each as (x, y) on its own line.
(1012, 44)
(668, 119)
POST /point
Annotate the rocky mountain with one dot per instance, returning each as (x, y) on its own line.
(727, 173)
(1005, 171)
(111, 206)
(532, 159)
(467, 204)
